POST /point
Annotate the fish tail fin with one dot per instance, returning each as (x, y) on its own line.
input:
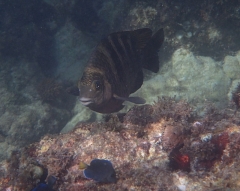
(150, 51)
(51, 180)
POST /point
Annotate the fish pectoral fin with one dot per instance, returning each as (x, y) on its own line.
(73, 90)
(136, 100)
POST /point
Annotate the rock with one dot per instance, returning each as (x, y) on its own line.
(25, 117)
(136, 150)
(72, 52)
(231, 67)
(194, 78)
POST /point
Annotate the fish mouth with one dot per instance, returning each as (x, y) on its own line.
(85, 101)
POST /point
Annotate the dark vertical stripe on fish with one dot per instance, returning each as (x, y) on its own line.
(122, 40)
(119, 64)
(107, 58)
(116, 47)
(115, 51)
(131, 58)
(108, 63)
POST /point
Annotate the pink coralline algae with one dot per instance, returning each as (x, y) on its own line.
(151, 147)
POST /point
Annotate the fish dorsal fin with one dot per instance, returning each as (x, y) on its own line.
(141, 37)
(136, 100)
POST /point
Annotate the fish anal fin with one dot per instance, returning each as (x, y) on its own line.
(73, 90)
(139, 37)
(138, 82)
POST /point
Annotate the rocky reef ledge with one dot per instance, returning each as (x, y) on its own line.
(164, 146)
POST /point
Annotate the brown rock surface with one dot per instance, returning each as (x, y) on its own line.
(195, 160)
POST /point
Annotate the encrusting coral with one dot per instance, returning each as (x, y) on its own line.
(151, 147)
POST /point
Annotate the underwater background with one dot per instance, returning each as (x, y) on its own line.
(187, 136)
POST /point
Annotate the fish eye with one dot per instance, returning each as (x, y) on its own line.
(97, 85)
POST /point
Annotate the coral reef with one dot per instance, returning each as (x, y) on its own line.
(135, 143)
(231, 66)
(38, 30)
(191, 77)
(197, 79)
(141, 15)
(27, 31)
(204, 28)
(165, 145)
(24, 117)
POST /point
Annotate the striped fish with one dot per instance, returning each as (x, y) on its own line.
(114, 70)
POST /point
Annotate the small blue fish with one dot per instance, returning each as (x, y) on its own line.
(101, 170)
(43, 186)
